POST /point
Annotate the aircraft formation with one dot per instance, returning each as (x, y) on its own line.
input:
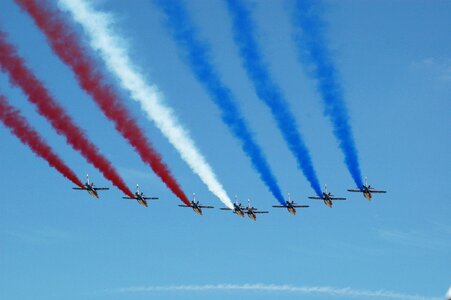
(238, 209)
(68, 44)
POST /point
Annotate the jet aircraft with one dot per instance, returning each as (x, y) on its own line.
(327, 198)
(290, 206)
(238, 209)
(90, 188)
(140, 197)
(196, 206)
(367, 190)
(251, 211)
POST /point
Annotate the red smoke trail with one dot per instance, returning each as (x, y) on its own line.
(20, 127)
(67, 46)
(55, 114)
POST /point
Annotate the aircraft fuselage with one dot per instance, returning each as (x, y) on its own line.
(197, 210)
(142, 202)
(328, 202)
(367, 193)
(140, 199)
(252, 215)
(239, 212)
(91, 190)
(291, 210)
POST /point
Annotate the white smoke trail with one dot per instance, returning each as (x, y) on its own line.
(318, 290)
(115, 54)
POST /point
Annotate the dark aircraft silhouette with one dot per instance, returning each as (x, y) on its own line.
(367, 190)
(196, 206)
(327, 198)
(252, 211)
(238, 209)
(290, 206)
(90, 188)
(140, 197)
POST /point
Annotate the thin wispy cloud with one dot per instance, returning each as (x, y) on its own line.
(438, 68)
(432, 240)
(259, 287)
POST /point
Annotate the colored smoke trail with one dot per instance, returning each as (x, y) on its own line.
(111, 48)
(267, 90)
(27, 135)
(196, 54)
(311, 44)
(54, 113)
(64, 43)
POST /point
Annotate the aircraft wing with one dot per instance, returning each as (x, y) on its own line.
(77, 188)
(354, 190)
(279, 206)
(184, 205)
(128, 198)
(150, 198)
(101, 189)
(225, 208)
(335, 198)
(206, 206)
(316, 198)
(376, 191)
(261, 212)
(298, 205)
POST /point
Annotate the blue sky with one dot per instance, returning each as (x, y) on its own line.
(395, 67)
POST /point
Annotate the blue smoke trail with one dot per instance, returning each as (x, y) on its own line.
(267, 90)
(311, 45)
(196, 53)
